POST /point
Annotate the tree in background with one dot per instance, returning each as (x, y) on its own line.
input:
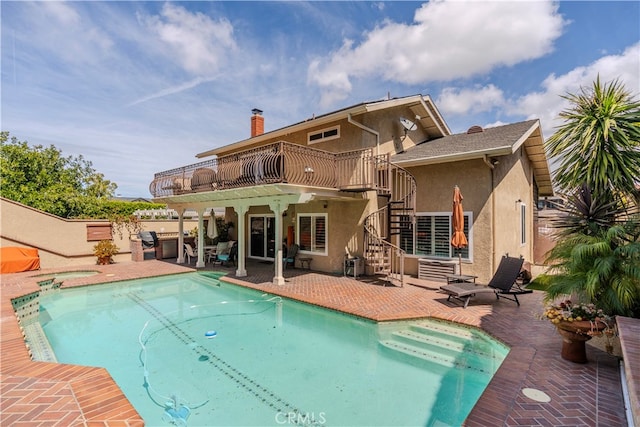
(41, 177)
(597, 254)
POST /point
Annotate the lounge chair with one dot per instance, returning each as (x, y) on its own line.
(503, 284)
(292, 253)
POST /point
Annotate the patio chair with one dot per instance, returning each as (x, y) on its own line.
(229, 255)
(189, 253)
(220, 249)
(292, 253)
(503, 284)
(211, 252)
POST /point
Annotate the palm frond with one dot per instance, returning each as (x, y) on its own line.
(598, 143)
(584, 213)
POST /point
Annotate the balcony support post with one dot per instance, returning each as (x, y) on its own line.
(241, 211)
(278, 207)
(200, 263)
(180, 259)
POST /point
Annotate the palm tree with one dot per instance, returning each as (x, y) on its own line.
(597, 255)
(597, 258)
(599, 143)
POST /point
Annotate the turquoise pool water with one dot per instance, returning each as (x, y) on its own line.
(190, 350)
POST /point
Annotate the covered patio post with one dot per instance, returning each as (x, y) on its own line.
(180, 259)
(278, 207)
(200, 262)
(241, 211)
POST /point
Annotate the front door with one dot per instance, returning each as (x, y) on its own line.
(262, 243)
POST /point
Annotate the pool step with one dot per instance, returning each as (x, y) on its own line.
(445, 345)
(459, 333)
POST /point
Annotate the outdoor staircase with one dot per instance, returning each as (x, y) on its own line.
(436, 344)
(382, 257)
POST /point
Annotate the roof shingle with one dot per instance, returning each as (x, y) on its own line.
(491, 139)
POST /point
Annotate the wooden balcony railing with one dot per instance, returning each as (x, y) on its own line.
(280, 162)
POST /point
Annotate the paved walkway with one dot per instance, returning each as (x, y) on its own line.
(36, 393)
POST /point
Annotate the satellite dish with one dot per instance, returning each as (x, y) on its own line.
(408, 125)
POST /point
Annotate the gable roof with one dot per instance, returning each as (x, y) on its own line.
(429, 118)
(491, 142)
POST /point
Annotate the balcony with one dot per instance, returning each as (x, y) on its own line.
(278, 163)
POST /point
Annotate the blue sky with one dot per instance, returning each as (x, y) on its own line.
(141, 87)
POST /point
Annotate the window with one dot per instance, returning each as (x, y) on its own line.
(323, 135)
(312, 233)
(96, 232)
(523, 224)
(431, 236)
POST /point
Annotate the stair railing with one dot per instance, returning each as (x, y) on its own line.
(382, 256)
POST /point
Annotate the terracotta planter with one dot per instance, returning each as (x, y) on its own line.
(574, 336)
(106, 260)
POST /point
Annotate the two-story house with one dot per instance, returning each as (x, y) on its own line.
(373, 181)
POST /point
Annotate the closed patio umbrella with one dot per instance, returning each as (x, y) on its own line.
(212, 228)
(458, 239)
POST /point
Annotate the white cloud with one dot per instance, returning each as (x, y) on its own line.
(198, 42)
(476, 100)
(447, 40)
(547, 104)
(62, 30)
(495, 124)
(61, 12)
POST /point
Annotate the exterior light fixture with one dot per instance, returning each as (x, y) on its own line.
(308, 173)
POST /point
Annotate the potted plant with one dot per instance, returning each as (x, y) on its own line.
(577, 324)
(104, 251)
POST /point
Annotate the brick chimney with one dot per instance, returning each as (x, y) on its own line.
(257, 123)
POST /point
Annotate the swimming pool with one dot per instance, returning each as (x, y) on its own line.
(190, 350)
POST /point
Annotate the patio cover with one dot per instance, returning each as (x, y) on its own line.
(15, 259)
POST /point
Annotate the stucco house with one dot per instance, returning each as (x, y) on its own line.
(373, 181)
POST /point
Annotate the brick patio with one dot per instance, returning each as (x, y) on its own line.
(47, 394)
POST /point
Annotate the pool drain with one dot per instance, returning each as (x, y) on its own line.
(537, 395)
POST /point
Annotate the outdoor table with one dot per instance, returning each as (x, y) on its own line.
(306, 261)
(461, 278)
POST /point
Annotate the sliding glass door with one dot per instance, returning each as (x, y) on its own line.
(262, 242)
